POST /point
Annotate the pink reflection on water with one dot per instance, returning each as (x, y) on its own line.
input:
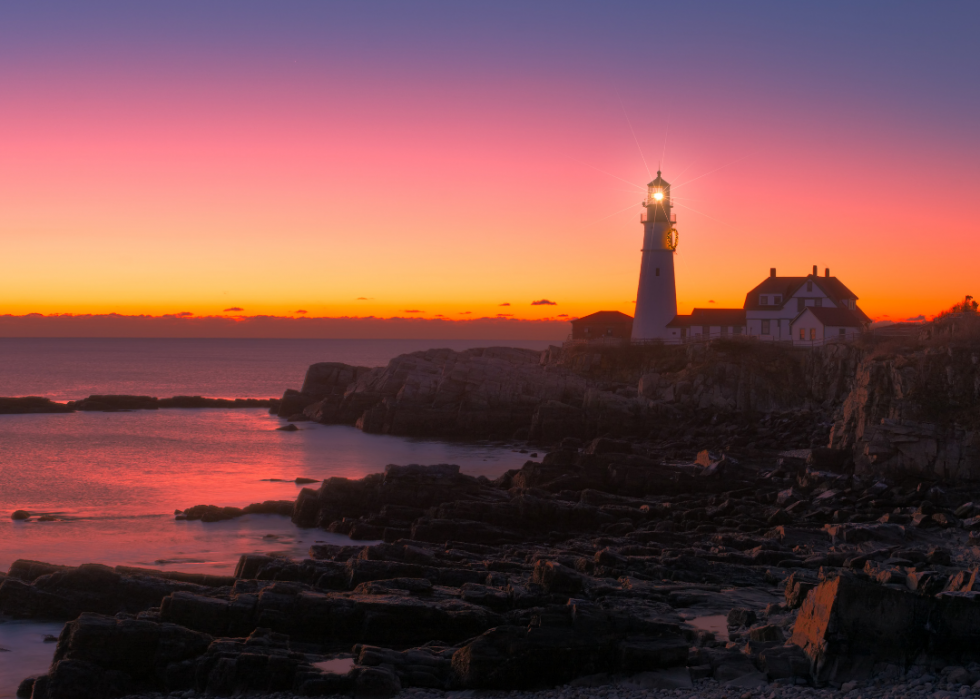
(114, 480)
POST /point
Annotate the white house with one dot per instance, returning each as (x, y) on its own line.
(771, 308)
(778, 310)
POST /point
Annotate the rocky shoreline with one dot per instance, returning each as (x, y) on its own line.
(886, 405)
(591, 572)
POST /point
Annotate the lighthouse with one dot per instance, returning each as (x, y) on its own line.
(656, 297)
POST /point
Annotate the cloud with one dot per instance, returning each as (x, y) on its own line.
(544, 302)
(562, 315)
(301, 311)
(505, 304)
(232, 309)
(183, 314)
(505, 315)
(412, 310)
(916, 318)
(711, 300)
(364, 298)
(465, 313)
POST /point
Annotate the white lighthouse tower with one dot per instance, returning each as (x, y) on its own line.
(656, 297)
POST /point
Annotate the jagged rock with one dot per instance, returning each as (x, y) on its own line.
(845, 620)
(63, 593)
(302, 613)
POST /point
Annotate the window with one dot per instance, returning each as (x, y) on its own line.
(658, 272)
(683, 333)
(802, 333)
(818, 302)
(724, 330)
(778, 299)
(737, 330)
(707, 331)
(841, 332)
(800, 304)
(763, 300)
(809, 286)
(765, 327)
(813, 333)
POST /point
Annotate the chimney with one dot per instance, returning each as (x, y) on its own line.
(814, 270)
(772, 271)
(826, 272)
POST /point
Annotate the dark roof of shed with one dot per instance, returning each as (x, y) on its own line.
(710, 316)
(605, 317)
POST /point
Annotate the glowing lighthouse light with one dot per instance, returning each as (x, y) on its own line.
(658, 195)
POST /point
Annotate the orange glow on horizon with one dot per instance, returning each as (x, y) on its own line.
(219, 188)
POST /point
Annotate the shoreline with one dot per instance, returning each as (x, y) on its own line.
(602, 548)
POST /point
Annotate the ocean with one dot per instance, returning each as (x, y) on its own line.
(112, 481)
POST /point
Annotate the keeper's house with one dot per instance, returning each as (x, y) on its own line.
(801, 310)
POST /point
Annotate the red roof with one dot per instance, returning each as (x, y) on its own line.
(834, 316)
(710, 316)
(605, 317)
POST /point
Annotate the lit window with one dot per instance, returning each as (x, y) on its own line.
(802, 333)
(813, 333)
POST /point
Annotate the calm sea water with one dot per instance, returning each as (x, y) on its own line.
(113, 480)
(72, 368)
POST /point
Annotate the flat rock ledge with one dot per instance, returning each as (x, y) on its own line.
(597, 571)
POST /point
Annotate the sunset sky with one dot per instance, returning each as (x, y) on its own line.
(418, 159)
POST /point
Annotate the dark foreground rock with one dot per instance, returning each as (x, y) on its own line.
(214, 513)
(33, 589)
(597, 562)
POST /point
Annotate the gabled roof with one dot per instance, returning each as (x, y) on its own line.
(833, 316)
(605, 317)
(709, 316)
(787, 286)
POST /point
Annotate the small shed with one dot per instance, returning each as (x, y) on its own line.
(601, 325)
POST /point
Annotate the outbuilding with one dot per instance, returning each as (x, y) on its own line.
(603, 325)
(707, 323)
(817, 325)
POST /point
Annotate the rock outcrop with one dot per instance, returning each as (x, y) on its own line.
(492, 391)
(593, 561)
(31, 404)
